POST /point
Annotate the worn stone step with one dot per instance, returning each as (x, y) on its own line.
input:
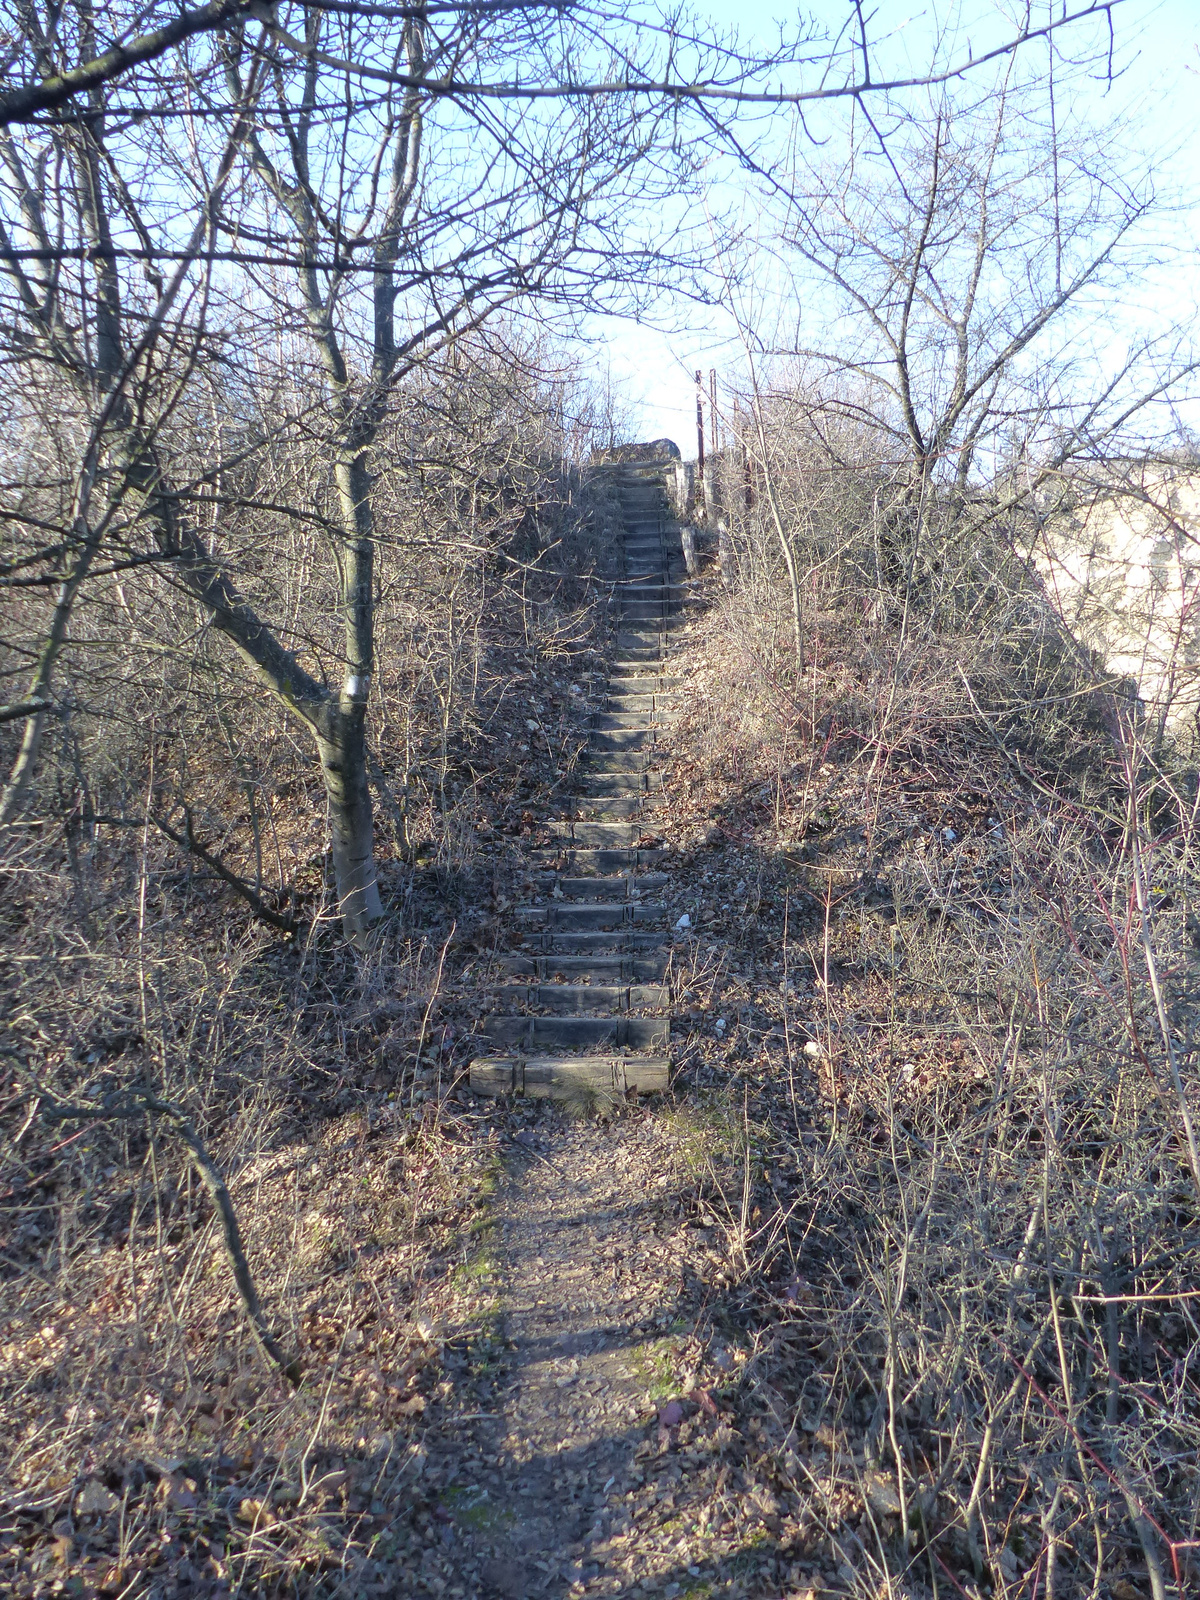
(576, 1078)
(598, 784)
(612, 808)
(604, 835)
(668, 572)
(613, 720)
(603, 763)
(591, 862)
(594, 771)
(629, 886)
(579, 915)
(646, 686)
(634, 680)
(618, 1032)
(614, 968)
(592, 941)
(592, 1000)
(616, 721)
(643, 704)
(623, 739)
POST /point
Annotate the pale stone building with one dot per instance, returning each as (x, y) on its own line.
(1120, 560)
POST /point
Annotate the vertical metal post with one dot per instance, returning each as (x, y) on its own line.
(700, 440)
(712, 489)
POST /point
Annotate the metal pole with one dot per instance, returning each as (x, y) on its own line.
(700, 440)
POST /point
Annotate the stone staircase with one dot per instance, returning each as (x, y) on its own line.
(585, 1013)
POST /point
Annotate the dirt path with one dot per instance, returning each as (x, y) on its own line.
(601, 1460)
(589, 1444)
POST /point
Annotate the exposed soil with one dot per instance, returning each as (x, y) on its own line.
(604, 1458)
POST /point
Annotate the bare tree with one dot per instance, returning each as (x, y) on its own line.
(402, 183)
(69, 65)
(377, 254)
(960, 250)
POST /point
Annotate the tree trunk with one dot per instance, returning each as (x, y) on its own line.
(342, 745)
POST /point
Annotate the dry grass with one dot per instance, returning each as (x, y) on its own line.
(961, 1222)
(148, 1441)
(149, 1446)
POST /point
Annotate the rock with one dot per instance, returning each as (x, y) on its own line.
(646, 451)
(881, 1494)
(95, 1500)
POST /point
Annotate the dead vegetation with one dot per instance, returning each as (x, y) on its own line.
(946, 901)
(149, 1444)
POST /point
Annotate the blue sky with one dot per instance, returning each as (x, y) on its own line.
(1156, 96)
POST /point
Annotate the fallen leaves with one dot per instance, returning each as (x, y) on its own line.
(258, 1513)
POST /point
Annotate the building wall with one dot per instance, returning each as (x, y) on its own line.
(1121, 562)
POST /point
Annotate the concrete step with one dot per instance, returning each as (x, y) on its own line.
(624, 704)
(618, 783)
(623, 739)
(601, 835)
(629, 886)
(614, 721)
(583, 1079)
(658, 686)
(612, 808)
(591, 1000)
(594, 941)
(580, 916)
(614, 968)
(671, 572)
(636, 680)
(608, 763)
(578, 1033)
(596, 951)
(588, 862)
(616, 717)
